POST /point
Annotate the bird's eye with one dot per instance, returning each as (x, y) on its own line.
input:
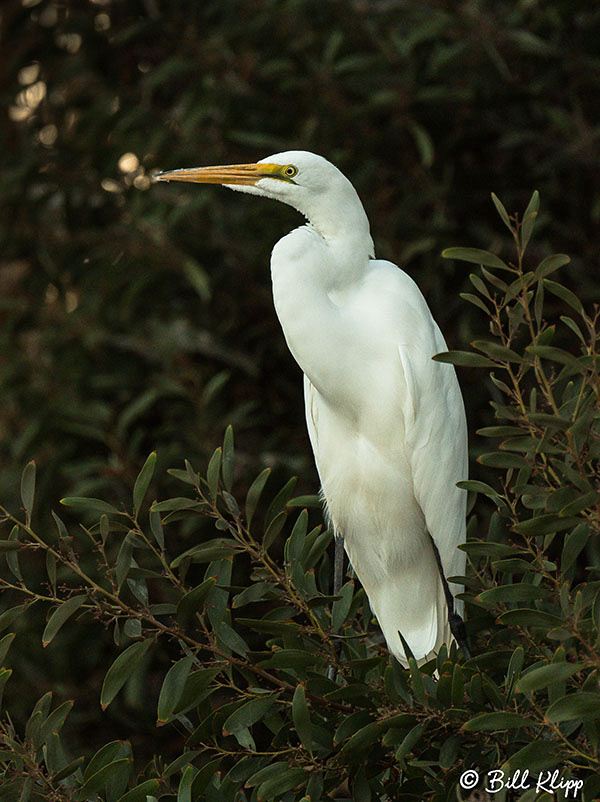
(290, 171)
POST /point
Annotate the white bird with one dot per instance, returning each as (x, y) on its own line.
(386, 423)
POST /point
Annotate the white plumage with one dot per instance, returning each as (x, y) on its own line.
(386, 423)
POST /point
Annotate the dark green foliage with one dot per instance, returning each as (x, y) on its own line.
(237, 633)
(138, 318)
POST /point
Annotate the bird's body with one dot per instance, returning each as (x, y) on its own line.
(386, 422)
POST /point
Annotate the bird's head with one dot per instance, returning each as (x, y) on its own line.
(308, 182)
(284, 176)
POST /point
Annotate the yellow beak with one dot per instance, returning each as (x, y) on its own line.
(247, 174)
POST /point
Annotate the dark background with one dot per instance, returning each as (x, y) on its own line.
(139, 316)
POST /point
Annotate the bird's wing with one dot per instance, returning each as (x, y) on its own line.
(311, 412)
(436, 437)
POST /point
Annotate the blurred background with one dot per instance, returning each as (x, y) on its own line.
(138, 316)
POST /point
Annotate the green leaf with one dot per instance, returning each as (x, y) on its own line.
(529, 219)
(141, 792)
(410, 740)
(183, 476)
(538, 304)
(312, 500)
(424, 144)
(143, 480)
(194, 600)
(216, 549)
(26, 789)
(535, 756)
(60, 615)
(55, 720)
(291, 658)
(181, 762)
(351, 724)
(466, 359)
(90, 505)
(479, 487)
(543, 676)
(28, 489)
(172, 688)
(51, 569)
(227, 464)
(554, 354)
(497, 351)
(106, 774)
(279, 502)
(122, 668)
(568, 321)
(551, 421)
(415, 674)
(502, 211)
(564, 294)
(198, 278)
(301, 718)
(575, 706)
(5, 645)
(213, 471)
(495, 281)
(341, 607)
(69, 769)
(574, 544)
(175, 505)
(156, 528)
(545, 525)
(317, 549)
(254, 492)
(231, 639)
(274, 529)
(526, 617)
(550, 264)
(266, 773)
(249, 713)
(449, 751)
(495, 721)
(362, 740)
(476, 256)
(513, 593)
(499, 459)
(486, 549)
(103, 525)
(5, 675)
(286, 779)
(473, 299)
(184, 792)
(124, 559)
(257, 591)
(195, 687)
(10, 615)
(12, 559)
(499, 431)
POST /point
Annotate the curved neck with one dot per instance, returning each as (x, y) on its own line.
(342, 222)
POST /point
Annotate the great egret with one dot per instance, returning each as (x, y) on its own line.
(386, 423)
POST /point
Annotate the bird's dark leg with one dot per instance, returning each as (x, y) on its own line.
(338, 574)
(338, 565)
(457, 625)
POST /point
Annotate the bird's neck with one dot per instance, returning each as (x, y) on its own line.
(316, 270)
(344, 227)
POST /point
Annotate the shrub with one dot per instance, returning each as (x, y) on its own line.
(230, 636)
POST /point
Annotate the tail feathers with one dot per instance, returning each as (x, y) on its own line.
(412, 601)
